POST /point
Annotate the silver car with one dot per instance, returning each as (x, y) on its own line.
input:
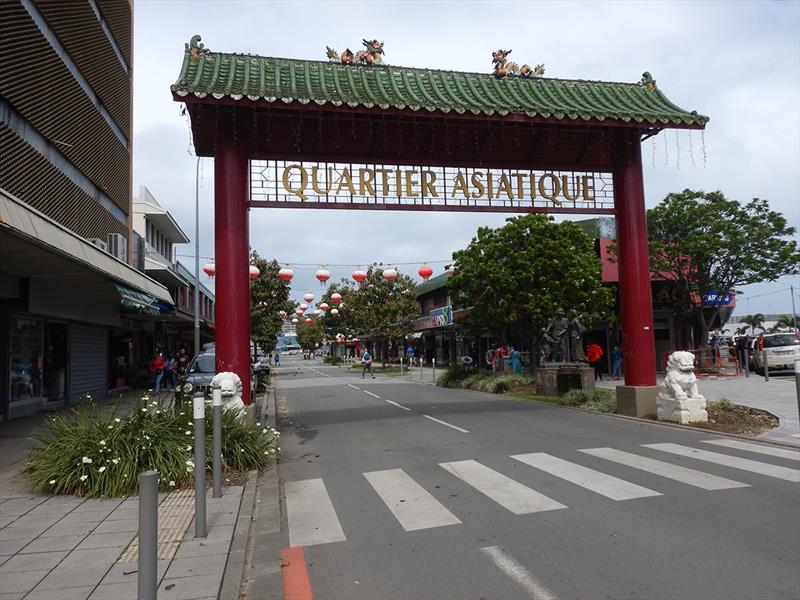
(782, 350)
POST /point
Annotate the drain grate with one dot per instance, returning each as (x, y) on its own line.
(174, 517)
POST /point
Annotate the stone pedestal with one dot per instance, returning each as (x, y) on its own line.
(681, 410)
(637, 400)
(554, 379)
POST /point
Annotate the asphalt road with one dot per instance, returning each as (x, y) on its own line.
(403, 490)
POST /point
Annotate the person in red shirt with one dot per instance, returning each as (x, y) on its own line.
(157, 366)
(593, 355)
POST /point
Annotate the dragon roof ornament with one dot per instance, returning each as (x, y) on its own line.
(504, 67)
(372, 54)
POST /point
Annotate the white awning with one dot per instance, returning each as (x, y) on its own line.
(32, 229)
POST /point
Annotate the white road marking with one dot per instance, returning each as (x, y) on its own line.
(518, 573)
(510, 494)
(446, 424)
(605, 485)
(699, 479)
(312, 518)
(745, 464)
(353, 386)
(396, 404)
(757, 448)
(411, 505)
(797, 435)
(371, 394)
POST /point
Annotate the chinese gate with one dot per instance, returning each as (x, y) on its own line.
(324, 134)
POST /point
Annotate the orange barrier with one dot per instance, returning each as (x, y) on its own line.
(711, 362)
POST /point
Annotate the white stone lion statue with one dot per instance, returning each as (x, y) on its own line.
(231, 386)
(678, 399)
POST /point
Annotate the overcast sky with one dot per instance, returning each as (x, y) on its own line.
(738, 62)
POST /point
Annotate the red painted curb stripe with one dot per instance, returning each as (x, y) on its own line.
(296, 585)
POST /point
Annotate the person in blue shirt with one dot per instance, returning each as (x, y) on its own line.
(277, 358)
(366, 364)
(410, 357)
(616, 361)
(514, 359)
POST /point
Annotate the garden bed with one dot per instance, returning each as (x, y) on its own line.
(726, 417)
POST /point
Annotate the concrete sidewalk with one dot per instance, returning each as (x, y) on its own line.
(777, 396)
(66, 547)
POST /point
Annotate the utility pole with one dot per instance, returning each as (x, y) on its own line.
(197, 257)
(794, 312)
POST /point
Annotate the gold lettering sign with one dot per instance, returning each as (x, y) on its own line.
(439, 185)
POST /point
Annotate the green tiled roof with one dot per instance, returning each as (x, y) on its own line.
(269, 79)
(434, 283)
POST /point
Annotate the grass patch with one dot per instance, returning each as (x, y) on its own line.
(526, 395)
(92, 452)
(332, 360)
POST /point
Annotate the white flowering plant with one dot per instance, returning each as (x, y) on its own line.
(92, 452)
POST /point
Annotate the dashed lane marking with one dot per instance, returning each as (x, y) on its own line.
(446, 424)
(371, 394)
(393, 403)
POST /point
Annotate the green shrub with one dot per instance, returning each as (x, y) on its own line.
(332, 360)
(500, 384)
(89, 452)
(455, 375)
(596, 401)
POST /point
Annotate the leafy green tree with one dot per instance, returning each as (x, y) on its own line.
(703, 242)
(783, 322)
(309, 335)
(383, 309)
(515, 277)
(268, 296)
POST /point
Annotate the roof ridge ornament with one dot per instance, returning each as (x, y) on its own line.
(504, 67)
(372, 54)
(195, 47)
(647, 82)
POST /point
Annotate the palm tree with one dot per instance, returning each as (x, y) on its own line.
(756, 320)
(742, 330)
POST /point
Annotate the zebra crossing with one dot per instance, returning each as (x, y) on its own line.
(312, 518)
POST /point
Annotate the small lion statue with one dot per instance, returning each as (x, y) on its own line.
(678, 399)
(231, 387)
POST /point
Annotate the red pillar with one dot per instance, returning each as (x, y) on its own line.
(231, 249)
(636, 301)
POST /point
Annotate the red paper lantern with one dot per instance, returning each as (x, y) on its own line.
(323, 275)
(451, 269)
(303, 306)
(334, 312)
(285, 275)
(308, 297)
(336, 297)
(308, 321)
(295, 320)
(254, 272)
(210, 269)
(317, 312)
(359, 275)
(324, 306)
(390, 274)
(425, 272)
(299, 312)
(282, 313)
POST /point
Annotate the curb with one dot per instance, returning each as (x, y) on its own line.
(233, 576)
(262, 575)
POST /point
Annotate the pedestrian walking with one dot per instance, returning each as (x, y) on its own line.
(410, 357)
(157, 366)
(277, 358)
(593, 354)
(616, 361)
(366, 364)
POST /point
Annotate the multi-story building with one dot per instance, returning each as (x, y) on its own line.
(156, 236)
(70, 301)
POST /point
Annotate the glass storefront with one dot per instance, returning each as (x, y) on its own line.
(38, 360)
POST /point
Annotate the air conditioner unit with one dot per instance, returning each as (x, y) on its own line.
(98, 242)
(118, 246)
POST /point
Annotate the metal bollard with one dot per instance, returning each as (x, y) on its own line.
(766, 364)
(746, 362)
(216, 445)
(148, 536)
(797, 382)
(199, 406)
(434, 370)
(401, 364)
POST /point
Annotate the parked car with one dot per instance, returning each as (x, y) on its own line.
(202, 370)
(262, 365)
(782, 350)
